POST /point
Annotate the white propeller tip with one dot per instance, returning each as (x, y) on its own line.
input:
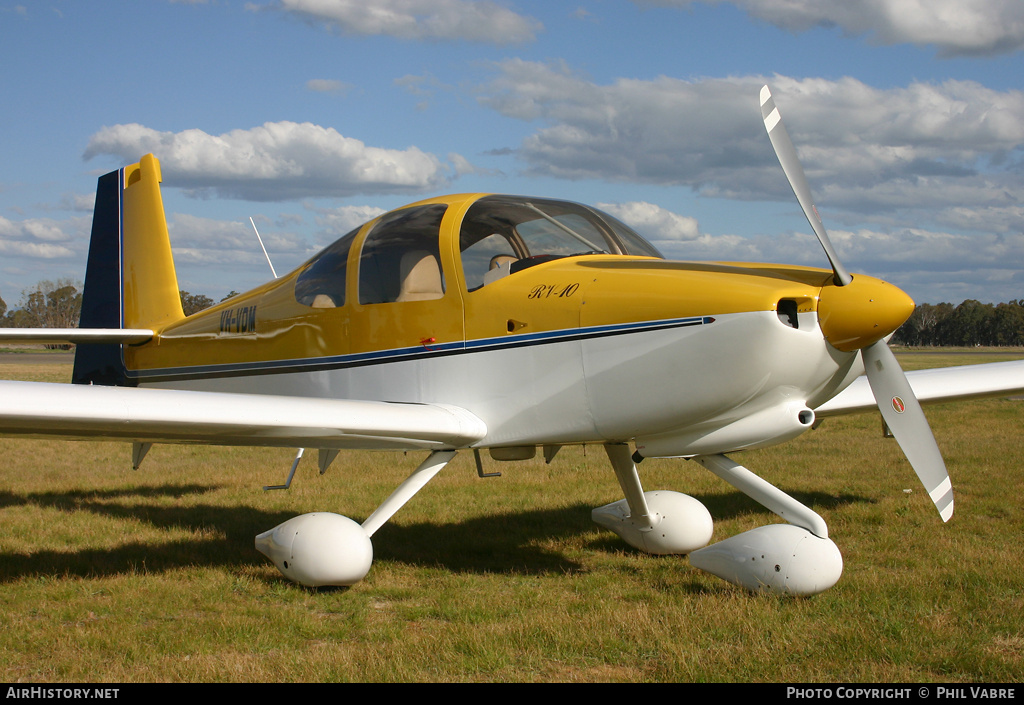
(942, 496)
(765, 94)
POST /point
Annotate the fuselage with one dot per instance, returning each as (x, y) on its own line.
(551, 322)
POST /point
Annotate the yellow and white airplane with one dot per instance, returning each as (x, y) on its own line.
(505, 323)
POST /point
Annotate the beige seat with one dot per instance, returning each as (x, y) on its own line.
(323, 301)
(421, 277)
(500, 266)
(502, 261)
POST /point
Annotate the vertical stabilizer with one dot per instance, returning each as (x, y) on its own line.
(101, 296)
(130, 280)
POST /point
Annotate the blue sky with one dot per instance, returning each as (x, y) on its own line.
(314, 115)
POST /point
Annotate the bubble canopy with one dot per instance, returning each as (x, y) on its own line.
(498, 236)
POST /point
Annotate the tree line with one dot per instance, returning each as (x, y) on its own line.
(48, 305)
(56, 304)
(971, 324)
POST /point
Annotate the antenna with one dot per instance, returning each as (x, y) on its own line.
(263, 248)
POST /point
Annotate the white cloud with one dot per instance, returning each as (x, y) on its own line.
(463, 166)
(47, 230)
(276, 161)
(78, 202)
(39, 237)
(889, 254)
(326, 85)
(336, 222)
(954, 27)
(212, 256)
(999, 219)
(654, 222)
(43, 230)
(34, 250)
(468, 20)
(926, 176)
(659, 131)
(190, 230)
(866, 150)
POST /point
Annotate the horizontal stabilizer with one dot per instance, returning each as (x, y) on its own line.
(92, 412)
(74, 335)
(995, 379)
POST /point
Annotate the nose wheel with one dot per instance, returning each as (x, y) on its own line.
(659, 522)
(796, 558)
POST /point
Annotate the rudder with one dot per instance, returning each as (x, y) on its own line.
(151, 296)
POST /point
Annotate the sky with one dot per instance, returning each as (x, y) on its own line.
(313, 116)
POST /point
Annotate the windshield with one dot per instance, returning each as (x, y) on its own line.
(502, 235)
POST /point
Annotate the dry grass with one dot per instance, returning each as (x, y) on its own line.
(113, 575)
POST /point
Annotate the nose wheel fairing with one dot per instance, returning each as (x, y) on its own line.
(660, 522)
(779, 558)
(796, 558)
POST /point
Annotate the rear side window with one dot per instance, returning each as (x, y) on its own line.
(400, 259)
(322, 283)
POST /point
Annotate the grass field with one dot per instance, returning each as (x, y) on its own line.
(109, 574)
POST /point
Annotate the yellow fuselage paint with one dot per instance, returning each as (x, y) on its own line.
(268, 324)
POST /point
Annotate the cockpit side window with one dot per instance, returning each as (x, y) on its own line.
(400, 259)
(563, 234)
(322, 283)
(485, 258)
(502, 235)
(632, 242)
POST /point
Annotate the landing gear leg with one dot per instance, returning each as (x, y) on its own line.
(796, 558)
(660, 522)
(329, 549)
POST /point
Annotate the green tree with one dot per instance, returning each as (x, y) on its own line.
(972, 324)
(193, 303)
(1008, 323)
(925, 325)
(49, 305)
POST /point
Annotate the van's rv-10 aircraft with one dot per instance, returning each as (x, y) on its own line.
(503, 323)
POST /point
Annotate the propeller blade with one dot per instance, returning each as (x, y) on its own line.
(786, 153)
(903, 415)
(893, 395)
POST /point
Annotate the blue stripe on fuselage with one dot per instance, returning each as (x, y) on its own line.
(409, 353)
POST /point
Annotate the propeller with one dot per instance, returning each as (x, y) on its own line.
(790, 162)
(872, 313)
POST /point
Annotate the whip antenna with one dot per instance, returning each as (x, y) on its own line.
(263, 248)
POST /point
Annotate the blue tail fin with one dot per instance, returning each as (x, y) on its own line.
(102, 304)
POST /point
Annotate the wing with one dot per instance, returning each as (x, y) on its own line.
(39, 409)
(995, 379)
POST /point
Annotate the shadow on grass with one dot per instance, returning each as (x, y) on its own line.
(230, 541)
(502, 543)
